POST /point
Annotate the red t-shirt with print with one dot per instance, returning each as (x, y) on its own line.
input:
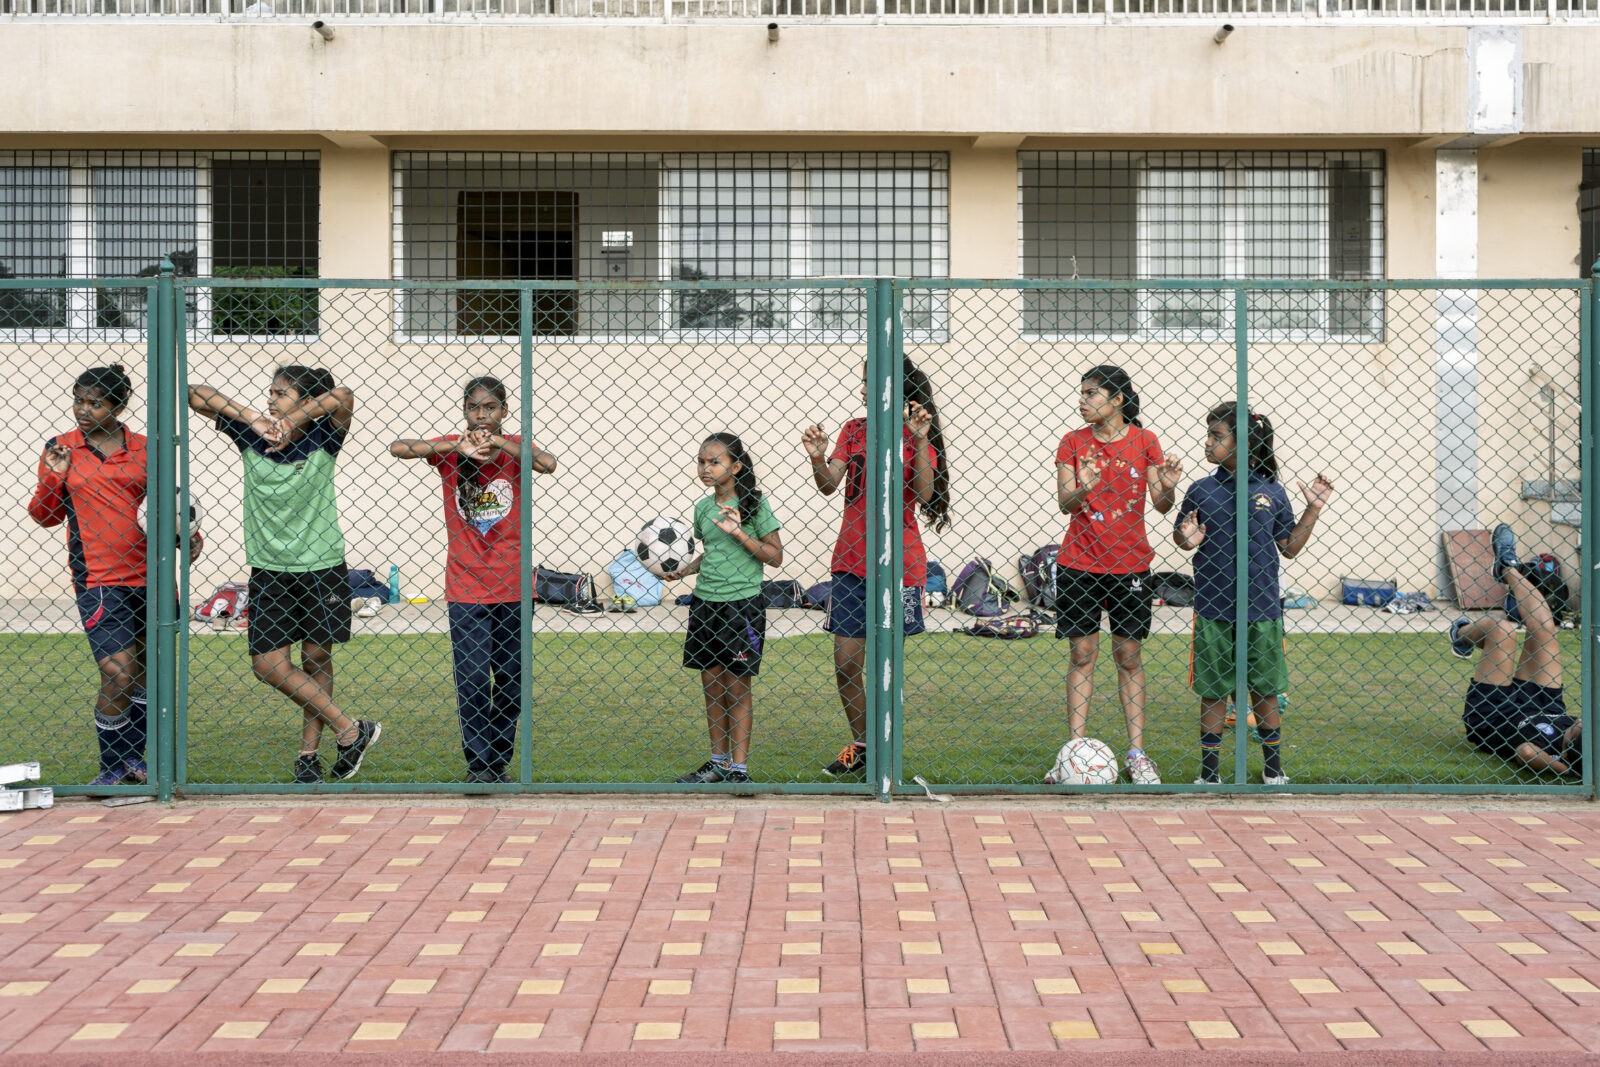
(484, 557)
(850, 551)
(1107, 535)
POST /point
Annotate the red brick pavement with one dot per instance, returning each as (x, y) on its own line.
(560, 926)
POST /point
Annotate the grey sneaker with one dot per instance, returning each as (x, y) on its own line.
(1275, 779)
(709, 771)
(1504, 543)
(1142, 770)
(1459, 648)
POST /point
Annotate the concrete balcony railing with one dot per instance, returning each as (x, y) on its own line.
(1329, 11)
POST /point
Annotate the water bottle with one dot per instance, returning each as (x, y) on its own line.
(394, 584)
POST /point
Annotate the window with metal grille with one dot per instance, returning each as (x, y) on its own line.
(1144, 216)
(749, 216)
(70, 214)
(1589, 213)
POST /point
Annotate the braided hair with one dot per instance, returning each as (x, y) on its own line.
(469, 471)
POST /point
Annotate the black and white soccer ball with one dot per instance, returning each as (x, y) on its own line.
(666, 546)
(195, 512)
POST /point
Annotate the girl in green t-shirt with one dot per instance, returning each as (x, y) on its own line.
(728, 616)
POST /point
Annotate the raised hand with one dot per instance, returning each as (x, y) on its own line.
(1319, 492)
(1192, 529)
(1168, 473)
(275, 433)
(57, 458)
(728, 519)
(919, 420)
(1089, 470)
(476, 445)
(815, 440)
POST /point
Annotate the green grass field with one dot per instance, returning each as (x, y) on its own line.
(1365, 708)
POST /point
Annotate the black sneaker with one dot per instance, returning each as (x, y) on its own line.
(307, 768)
(737, 777)
(484, 778)
(852, 759)
(710, 771)
(349, 761)
(1504, 544)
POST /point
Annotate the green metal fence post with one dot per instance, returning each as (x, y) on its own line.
(1241, 539)
(178, 398)
(161, 657)
(525, 521)
(894, 676)
(884, 479)
(1589, 502)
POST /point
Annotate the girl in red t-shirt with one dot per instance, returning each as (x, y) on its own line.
(480, 472)
(927, 489)
(1103, 473)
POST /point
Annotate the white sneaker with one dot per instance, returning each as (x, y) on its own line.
(1142, 770)
(1275, 779)
(1208, 781)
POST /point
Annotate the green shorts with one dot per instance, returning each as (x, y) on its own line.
(1211, 659)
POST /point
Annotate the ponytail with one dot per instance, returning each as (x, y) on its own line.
(1263, 458)
(744, 479)
(307, 381)
(1116, 382)
(919, 390)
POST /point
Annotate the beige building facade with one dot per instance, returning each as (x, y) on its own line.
(1364, 147)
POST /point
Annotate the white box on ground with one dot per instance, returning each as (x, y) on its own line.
(19, 772)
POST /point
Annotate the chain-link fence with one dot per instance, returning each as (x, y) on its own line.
(413, 504)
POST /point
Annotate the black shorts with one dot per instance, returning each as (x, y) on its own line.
(728, 634)
(1082, 595)
(286, 609)
(1499, 718)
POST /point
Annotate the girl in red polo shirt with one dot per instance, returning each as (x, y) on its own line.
(927, 491)
(93, 478)
(1103, 473)
(480, 475)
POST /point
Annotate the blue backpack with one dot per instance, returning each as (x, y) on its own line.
(977, 590)
(629, 578)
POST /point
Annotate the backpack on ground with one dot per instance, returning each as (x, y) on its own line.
(1004, 627)
(816, 596)
(1173, 588)
(629, 578)
(1041, 576)
(782, 593)
(978, 591)
(229, 600)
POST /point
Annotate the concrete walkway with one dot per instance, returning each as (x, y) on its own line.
(567, 925)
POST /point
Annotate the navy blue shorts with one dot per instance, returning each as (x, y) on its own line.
(288, 608)
(847, 607)
(1494, 714)
(728, 634)
(113, 618)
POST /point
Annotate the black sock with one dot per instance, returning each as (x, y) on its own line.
(1210, 756)
(1270, 765)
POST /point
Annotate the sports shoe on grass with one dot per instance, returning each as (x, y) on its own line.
(709, 771)
(308, 768)
(134, 772)
(1459, 648)
(1142, 770)
(1504, 543)
(1208, 781)
(852, 759)
(738, 777)
(484, 777)
(350, 756)
(1275, 779)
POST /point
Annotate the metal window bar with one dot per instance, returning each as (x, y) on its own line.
(97, 214)
(1189, 214)
(661, 217)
